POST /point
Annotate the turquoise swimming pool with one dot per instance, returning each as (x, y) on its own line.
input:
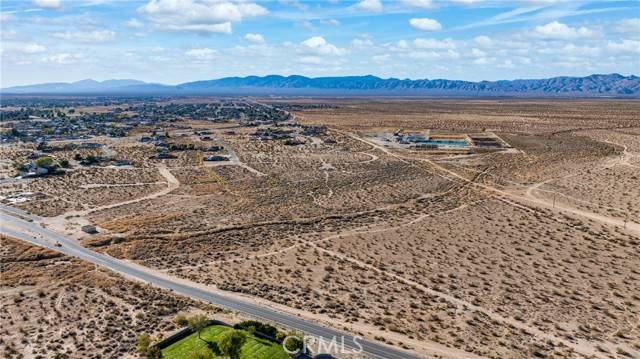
(443, 143)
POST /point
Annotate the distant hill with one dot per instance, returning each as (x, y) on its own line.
(610, 85)
(80, 86)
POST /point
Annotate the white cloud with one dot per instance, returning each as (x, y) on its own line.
(400, 45)
(631, 46)
(524, 60)
(306, 24)
(424, 55)
(195, 11)
(295, 3)
(255, 38)
(332, 22)
(478, 53)
(5, 18)
(483, 41)
(631, 26)
(361, 43)
(202, 53)
(465, 2)
(9, 35)
(314, 60)
(203, 16)
(434, 44)
(425, 24)
(223, 28)
(64, 58)
(380, 58)
(452, 54)
(559, 31)
(370, 5)
(47, 4)
(320, 46)
(572, 50)
(33, 48)
(483, 61)
(89, 36)
(433, 55)
(133, 23)
(506, 64)
(423, 4)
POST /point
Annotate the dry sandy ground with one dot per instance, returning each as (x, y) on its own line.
(55, 305)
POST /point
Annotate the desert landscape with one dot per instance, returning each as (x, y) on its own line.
(449, 228)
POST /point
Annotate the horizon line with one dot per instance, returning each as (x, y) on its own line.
(2, 87)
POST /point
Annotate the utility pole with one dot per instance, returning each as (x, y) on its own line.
(554, 200)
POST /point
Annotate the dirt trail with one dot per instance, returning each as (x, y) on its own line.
(629, 226)
(530, 196)
(372, 158)
(172, 183)
(108, 185)
(583, 347)
(61, 222)
(299, 220)
(624, 158)
(355, 231)
(432, 349)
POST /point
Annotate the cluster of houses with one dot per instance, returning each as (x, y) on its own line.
(164, 146)
(292, 134)
(65, 128)
(218, 112)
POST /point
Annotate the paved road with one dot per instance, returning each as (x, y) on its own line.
(16, 223)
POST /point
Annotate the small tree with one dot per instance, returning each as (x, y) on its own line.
(143, 342)
(293, 342)
(44, 162)
(197, 323)
(77, 157)
(232, 342)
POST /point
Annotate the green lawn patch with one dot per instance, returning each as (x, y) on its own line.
(254, 348)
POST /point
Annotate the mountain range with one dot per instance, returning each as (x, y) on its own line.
(597, 85)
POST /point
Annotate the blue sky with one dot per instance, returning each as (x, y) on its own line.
(174, 41)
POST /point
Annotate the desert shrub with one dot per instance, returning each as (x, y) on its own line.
(64, 163)
(154, 353)
(180, 320)
(142, 343)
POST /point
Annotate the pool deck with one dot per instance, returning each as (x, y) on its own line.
(454, 142)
